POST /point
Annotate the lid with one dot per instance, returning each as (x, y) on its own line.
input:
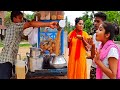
(35, 49)
(20, 63)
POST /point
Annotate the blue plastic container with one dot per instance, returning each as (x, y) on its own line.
(50, 34)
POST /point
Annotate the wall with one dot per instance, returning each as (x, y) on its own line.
(2, 14)
(2, 27)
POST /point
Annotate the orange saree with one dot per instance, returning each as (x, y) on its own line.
(77, 57)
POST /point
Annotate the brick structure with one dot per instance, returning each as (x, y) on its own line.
(2, 26)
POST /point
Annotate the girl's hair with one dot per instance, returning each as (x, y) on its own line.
(77, 20)
(110, 28)
(117, 29)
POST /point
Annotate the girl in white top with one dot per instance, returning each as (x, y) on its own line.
(107, 65)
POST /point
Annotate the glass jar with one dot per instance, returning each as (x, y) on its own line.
(53, 15)
(47, 15)
(60, 15)
(42, 15)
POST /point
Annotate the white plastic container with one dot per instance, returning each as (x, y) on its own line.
(21, 68)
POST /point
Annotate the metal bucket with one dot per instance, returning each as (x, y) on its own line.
(32, 64)
(34, 52)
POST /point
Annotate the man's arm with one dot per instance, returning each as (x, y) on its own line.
(39, 24)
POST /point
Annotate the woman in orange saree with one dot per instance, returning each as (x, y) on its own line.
(77, 66)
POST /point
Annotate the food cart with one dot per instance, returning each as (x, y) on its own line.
(44, 52)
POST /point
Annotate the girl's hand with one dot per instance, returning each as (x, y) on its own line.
(97, 57)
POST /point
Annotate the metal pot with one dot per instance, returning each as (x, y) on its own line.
(58, 62)
(35, 52)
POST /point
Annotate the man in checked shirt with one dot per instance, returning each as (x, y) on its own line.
(14, 34)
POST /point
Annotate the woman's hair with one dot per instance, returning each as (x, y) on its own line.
(110, 28)
(77, 20)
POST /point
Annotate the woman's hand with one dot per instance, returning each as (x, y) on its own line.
(79, 37)
(85, 43)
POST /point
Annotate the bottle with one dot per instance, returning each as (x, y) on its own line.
(21, 69)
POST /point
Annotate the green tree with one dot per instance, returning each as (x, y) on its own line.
(7, 18)
(87, 21)
(29, 16)
(68, 27)
(88, 25)
(114, 17)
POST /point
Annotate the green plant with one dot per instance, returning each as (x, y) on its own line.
(24, 45)
(117, 38)
(1, 44)
(20, 45)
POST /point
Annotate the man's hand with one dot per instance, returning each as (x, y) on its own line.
(40, 24)
(53, 25)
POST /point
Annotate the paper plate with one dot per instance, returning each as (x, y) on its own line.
(62, 23)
